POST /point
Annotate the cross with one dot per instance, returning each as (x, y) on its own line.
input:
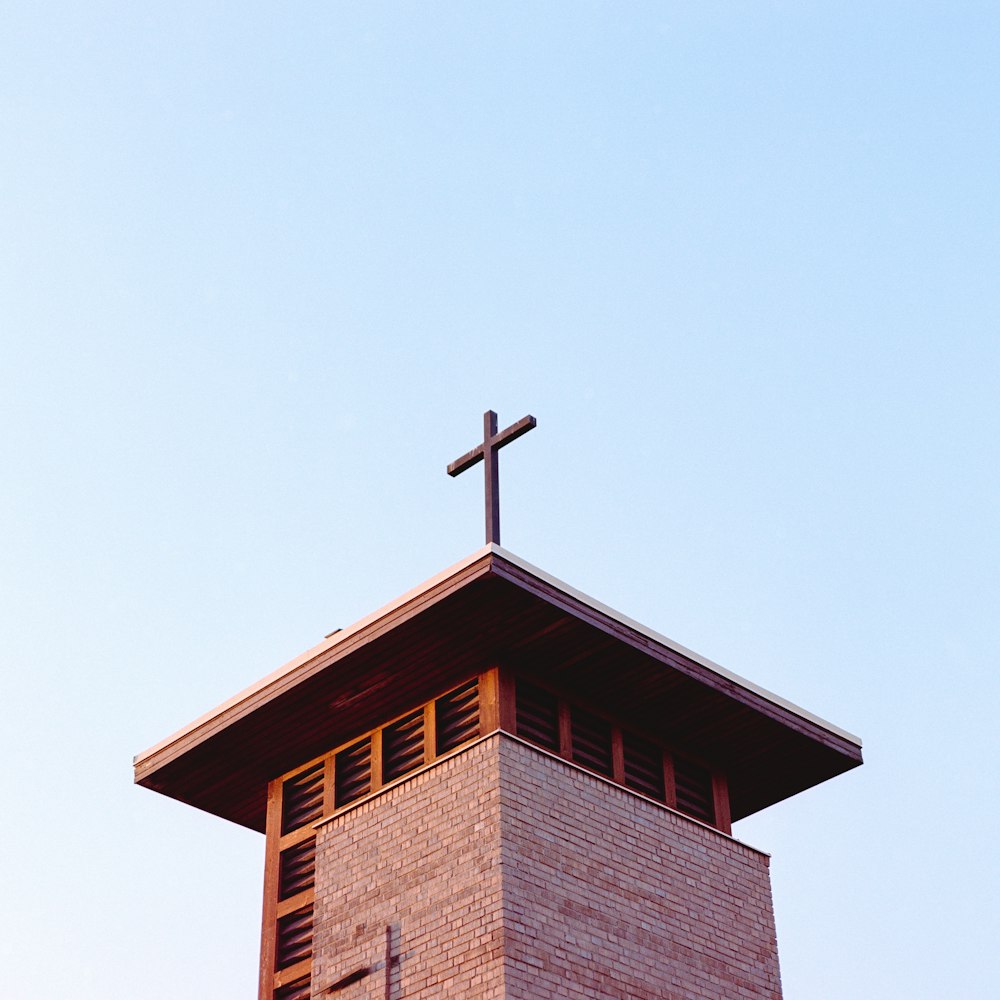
(487, 453)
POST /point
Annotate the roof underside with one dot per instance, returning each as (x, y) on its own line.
(493, 609)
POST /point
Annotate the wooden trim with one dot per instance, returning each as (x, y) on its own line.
(292, 972)
(565, 730)
(430, 731)
(285, 906)
(376, 758)
(296, 836)
(329, 784)
(669, 780)
(720, 797)
(508, 700)
(617, 755)
(489, 700)
(272, 852)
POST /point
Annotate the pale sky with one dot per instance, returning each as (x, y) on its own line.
(264, 266)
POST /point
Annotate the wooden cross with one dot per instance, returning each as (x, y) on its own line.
(487, 453)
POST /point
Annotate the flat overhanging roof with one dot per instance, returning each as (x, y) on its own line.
(493, 608)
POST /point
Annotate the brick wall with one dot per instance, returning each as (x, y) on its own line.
(422, 858)
(505, 873)
(607, 895)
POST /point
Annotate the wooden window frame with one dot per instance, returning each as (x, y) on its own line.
(491, 697)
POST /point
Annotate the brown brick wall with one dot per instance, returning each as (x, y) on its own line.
(422, 858)
(506, 873)
(608, 895)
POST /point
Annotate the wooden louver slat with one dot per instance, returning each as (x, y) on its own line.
(643, 766)
(403, 746)
(299, 990)
(457, 716)
(353, 772)
(694, 790)
(592, 742)
(294, 939)
(297, 869)
(537, 715)
(302, 799)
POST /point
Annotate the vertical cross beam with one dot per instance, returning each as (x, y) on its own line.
(491, 459)
(487, 453)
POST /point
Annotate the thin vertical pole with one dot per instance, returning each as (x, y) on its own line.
(491, 461)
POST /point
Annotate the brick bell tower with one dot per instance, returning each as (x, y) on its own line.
(496, 787)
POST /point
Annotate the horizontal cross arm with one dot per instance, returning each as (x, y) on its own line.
(466, 461)
(513, 432)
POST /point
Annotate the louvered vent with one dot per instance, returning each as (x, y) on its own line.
(457, 716)
(353, 772)
(643, 766)
(294, 942)
(537, 716)
(302, 799)
(592, 742)
(403, 746)
(297, 869)
(299, 990)
(694, 790)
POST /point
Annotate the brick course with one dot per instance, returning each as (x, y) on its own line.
(608, 895)
(507, 873)
(422, 858)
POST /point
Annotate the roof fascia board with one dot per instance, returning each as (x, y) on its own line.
(616, 618)
(315, 660)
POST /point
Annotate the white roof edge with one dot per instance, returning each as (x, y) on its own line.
(415, 592)
(675, 646)
(335, 639)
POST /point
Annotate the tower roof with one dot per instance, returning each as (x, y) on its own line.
(493, 608)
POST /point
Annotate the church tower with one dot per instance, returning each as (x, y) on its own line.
(496, 787)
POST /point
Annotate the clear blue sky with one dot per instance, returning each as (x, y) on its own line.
(262, 268)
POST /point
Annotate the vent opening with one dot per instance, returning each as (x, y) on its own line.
(299, 990)
(294, 942)
(592, 742)
(302, 799)
(457, 716)
(403, 746)
(297, 869)
(694, 790)
(352, 770)
(643, 766)
(537, 715)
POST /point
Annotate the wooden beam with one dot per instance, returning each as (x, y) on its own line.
(617, 755)
(565, 731)
(669, 781)
(430, 732)
(720, 797)
(272, 862)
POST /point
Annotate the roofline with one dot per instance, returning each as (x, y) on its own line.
(342, 637)
(663, 640)
(435, 588)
